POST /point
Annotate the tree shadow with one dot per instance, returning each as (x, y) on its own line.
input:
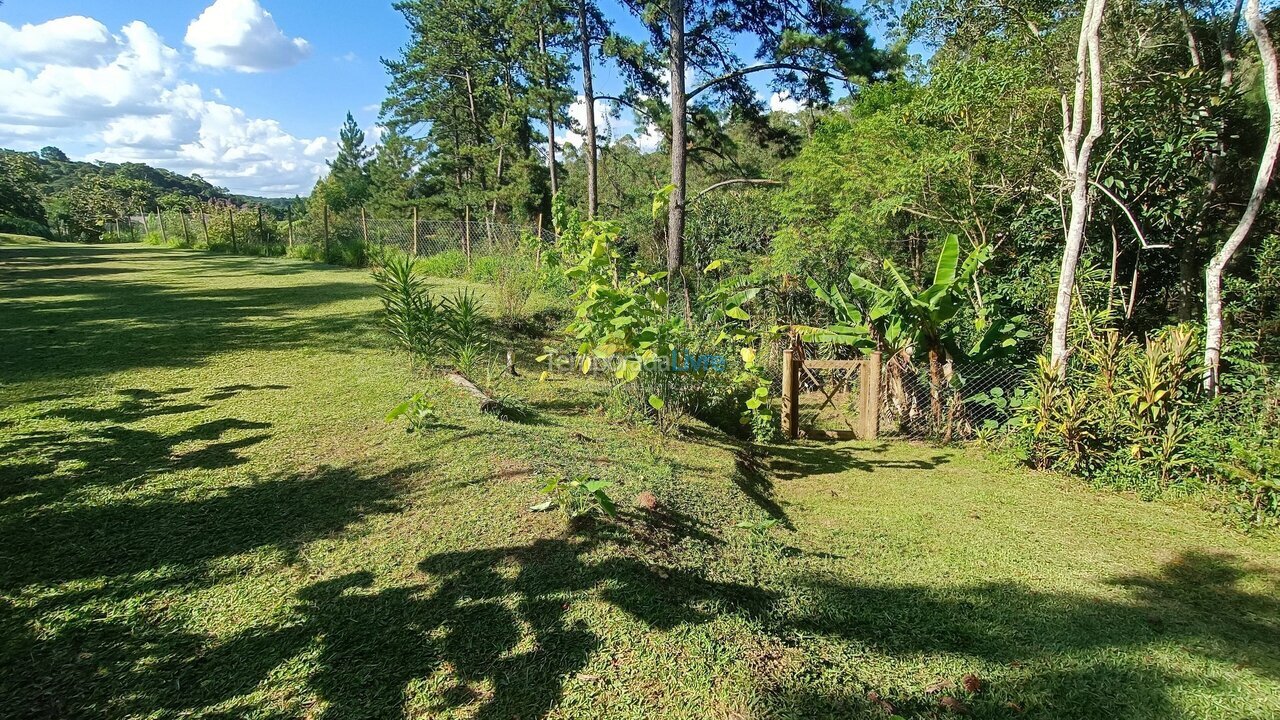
(70, 561)
(100, 449)
(59, 327)
(794, 461)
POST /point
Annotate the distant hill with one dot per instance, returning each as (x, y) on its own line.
(48, 189)
(62, 173)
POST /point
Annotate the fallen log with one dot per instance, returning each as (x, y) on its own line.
(487, 404)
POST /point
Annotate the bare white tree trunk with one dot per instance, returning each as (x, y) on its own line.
(1213, 274)
(1076, 148)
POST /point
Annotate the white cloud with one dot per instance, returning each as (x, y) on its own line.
(58, 94)
(647, 139)
(126, 99)
(783, 102)
(72, 40)
(240, 35)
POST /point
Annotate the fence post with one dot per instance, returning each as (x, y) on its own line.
(133, 231)
(790, 403)
(414, 247)
(466, 235)
(146, 225)
(869, 407)
(262, 233)
(231, 219)
(204, 223)
(364, 227)
(326, 232)
(186, 234)
(164, 235)
(290, 208)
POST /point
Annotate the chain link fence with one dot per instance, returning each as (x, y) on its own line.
(962, 402)
(447, 247)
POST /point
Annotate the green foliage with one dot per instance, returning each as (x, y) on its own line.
(419, 413)
(1132, 417)
(23, 226)
(579, 497)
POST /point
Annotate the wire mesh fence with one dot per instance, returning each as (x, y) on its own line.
(345, 238)
(950, 402)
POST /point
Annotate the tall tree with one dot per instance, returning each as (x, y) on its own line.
(1261, 183)
(589, 19)
(348, 182)
(806, 43)
(477, 79)
(393, 173)
(1077, 145)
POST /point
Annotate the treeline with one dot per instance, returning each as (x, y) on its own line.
(46, 193)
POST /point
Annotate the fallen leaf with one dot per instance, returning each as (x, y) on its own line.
(972, 683)
(938, 687)
(954, 705)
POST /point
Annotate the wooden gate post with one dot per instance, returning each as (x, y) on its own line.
(364, 227)
(790, 401)
(186, 233)
(204, 223)
(869, 396)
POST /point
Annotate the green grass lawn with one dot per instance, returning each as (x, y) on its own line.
(203, 514)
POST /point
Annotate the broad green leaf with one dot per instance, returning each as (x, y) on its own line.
(398, 410)
(713, 265)
(947, 260)
(656, 402)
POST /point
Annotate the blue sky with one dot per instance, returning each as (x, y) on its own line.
(248, 93)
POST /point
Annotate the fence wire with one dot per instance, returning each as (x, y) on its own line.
(339, 237)
(962, 402)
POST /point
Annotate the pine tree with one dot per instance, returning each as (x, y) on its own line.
(393, 172)
(348, 182)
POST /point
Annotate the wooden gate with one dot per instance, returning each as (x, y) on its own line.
(798, 372)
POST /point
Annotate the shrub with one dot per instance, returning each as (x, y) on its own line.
(305, 251)
(446, 264)
(1132, 417)
(23, 226)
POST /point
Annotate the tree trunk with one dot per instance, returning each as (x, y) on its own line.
(1076, 148)
(935, 387)
(1213, 274)
(551, 111)
(589, 98)
(679, 157)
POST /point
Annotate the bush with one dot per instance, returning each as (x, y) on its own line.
(305, 251)
(1133, 418)
(23, 226)
(446, 264)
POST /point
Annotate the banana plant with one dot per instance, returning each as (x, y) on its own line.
(901, 313)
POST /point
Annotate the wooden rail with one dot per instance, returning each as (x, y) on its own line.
(868, 369)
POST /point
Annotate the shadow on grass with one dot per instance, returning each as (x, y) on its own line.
(99, 449)
(803, 460)
(59, 324)
(490, 632)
